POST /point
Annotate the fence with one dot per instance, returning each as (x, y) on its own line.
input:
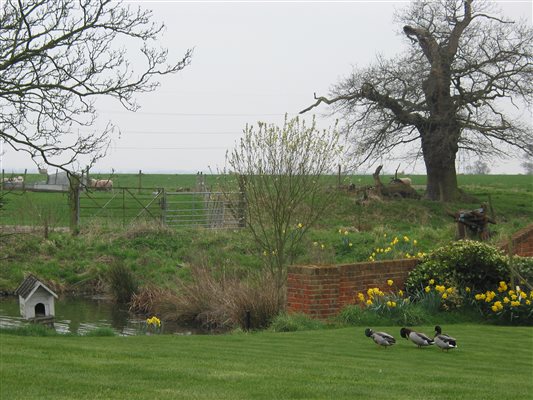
(121, 206)
(205, 209)
(175, 209)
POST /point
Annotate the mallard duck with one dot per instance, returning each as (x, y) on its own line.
(380, 338)
(445, 342)
(418, 338)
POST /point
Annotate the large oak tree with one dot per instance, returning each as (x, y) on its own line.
(453, 89)
(57, 57)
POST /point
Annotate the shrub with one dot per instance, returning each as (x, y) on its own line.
(295, 322)
(462, 263)
(30, 330)
(122, 282)
(101, 332)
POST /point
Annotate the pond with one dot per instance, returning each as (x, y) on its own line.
(81, 315)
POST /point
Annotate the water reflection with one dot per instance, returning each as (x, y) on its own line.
(81, 315)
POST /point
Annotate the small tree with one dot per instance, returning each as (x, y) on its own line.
(478, 168)
(281, 173)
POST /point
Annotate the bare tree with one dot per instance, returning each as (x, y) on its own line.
(527, 164)
(448, 91)
(281, 173)
(57, 57)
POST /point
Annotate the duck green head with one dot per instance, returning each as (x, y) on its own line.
(368, 332)
(404, 332)
(438, 330)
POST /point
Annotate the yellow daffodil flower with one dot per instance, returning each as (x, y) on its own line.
(432, 281)
(390, 282)
(427, 289)
(445, 295)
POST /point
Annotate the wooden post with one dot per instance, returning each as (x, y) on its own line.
(339, 176)
(123, 207)
(163, 204)
(74, 203)
(140, 183)
(2, 184)
(24, 179)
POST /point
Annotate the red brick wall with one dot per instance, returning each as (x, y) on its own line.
(522, 242)
(321, 291)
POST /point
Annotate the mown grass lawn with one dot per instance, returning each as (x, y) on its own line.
(492, 362)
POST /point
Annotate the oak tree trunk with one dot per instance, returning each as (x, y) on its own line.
(440, 146)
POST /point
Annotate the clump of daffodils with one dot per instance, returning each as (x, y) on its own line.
(401, 246)
(153, 325)
(514, 305)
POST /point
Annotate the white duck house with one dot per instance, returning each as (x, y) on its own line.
(36, 300)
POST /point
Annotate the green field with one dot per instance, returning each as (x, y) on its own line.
(156, 255)
(491, 363)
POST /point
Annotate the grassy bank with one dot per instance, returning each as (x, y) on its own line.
(337, 363)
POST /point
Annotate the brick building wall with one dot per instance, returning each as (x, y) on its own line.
(522, 242)
(322, 291)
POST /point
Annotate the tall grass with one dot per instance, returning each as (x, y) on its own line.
(213, 301)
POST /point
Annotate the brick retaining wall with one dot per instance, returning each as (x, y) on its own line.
(322, 291)
(522, 242)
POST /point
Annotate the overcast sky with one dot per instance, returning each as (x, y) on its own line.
(253, 61)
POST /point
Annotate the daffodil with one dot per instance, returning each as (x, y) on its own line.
(390, 282)
(361, 297)
(400, 293)
(440, 288)
(432, 281)
(427, 289)
(300, 225)
(468, 290)
(445, 295)
(497, 306)
(506, 300)
(369, 302)
(515, 303)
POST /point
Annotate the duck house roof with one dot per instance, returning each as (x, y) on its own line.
(29, 285)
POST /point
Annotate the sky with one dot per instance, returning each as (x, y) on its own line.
(252, 61)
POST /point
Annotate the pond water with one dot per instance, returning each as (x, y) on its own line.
(81, 315)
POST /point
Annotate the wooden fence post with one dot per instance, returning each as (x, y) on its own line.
(140, 182)
(74, 203)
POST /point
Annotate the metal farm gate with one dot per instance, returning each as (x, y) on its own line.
(128, 206)
(121, 206)
(205, 209)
